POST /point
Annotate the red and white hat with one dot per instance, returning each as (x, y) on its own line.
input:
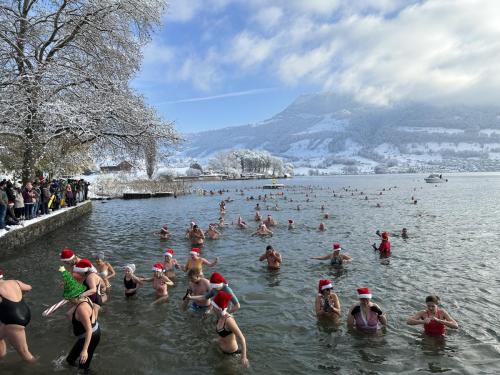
(324, 284)
(221, 302)
(158, 267)
(364, 293)
(217, 281)
(169, 253)
(67, 255)
(83, 266)
(1, 273)
(336, 246)
(195, 251)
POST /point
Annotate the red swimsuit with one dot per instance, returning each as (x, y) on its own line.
(434, 328)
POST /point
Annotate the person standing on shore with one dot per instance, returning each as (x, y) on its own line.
(434, 319)
(14, 317)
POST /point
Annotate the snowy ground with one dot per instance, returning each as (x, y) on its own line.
(27, 223)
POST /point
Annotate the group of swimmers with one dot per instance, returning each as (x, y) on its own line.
(86, 289)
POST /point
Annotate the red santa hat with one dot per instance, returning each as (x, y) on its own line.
(336, 246)
(385, 235)
(221, 302)
(158, 267)
(364, 293)
(195, 251)
(67, 255)
(83, 266)
(1, 273)
(169, 253)
(324, 284)
(217, 281)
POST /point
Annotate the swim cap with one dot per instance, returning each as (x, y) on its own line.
(131, 267)
(100, 255)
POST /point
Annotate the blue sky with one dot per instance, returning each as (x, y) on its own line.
(217, 63)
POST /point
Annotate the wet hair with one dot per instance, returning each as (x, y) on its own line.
(433, 299)
(269, 247)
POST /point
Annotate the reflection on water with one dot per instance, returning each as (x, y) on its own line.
(451, 252)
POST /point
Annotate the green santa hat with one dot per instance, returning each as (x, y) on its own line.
(72, 288)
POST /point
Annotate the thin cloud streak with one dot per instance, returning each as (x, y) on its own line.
(222, 96)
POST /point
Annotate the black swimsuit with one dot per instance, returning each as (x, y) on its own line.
(96, 297)
(223, 332)
(14, 312)
(129, 284)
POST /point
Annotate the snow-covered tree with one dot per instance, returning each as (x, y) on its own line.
(64, 73)
(247, 161)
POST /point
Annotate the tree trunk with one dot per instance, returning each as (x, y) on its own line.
(28, 162)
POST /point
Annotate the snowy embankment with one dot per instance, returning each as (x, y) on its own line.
(27, 223)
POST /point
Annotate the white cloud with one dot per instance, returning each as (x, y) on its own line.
(269, 18)
(380, 51)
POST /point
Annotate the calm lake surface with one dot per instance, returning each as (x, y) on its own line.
(452, 252)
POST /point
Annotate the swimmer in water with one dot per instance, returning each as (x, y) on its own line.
(322, 227)
(241, 223)
(221, 222)
(291, 224)
(227, 329)
(164, 234)
(69, 259)
(84, 321)
(212, 232)
(15, 315)
(196, 236)
(336, 258)
(170, 263)
(327, 302)
(198, 285)
(160, 283)
(365, 315)
(196, 262)
(218, 284)
(258, 217)
(104, 270)
(384, 247)
(434, 319)
(130, 281)
(262, 230)
(270, 222)
(273, 258)
(326, 216)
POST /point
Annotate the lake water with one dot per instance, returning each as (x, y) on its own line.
(452, 252)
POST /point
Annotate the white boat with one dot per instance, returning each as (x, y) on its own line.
(273, 186)
(435, 179)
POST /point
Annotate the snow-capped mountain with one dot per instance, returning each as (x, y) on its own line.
(335, 134)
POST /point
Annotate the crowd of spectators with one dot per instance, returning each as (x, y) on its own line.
(35, 198)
